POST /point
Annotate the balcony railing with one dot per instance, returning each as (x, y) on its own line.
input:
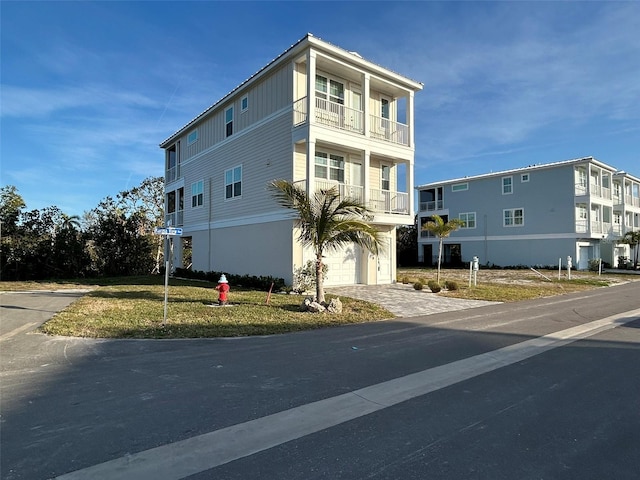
(431, 206)
(171, 175)
(339, 116)
(380, 201)
(174, 219)
(385, 129)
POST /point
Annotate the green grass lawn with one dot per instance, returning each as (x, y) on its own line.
(134, 308)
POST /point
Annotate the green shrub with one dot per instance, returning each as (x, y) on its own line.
(304, 278)
(405, 280)
(247, 281)
(450, 285)
(434, 286)
(417, 285)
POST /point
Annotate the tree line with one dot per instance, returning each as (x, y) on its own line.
(114, 238)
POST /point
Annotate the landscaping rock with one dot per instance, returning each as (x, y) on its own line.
(315, 307)
(335, 306)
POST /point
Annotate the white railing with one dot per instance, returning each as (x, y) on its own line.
(431, 206)
(300, 111)
(581, 189)
(174, 219)
(171, 175)
(339, 116)
(389, 201)
(354, 192)
(386, 201)
(385, 129)
(581, 226)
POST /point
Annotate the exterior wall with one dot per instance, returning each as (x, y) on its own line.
(258, 249)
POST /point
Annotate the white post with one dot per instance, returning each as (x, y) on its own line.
(600, 267)
(569, 265)
(559, 267)
(470, 272)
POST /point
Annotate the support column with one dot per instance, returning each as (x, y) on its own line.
(365, 173)
(311, 162)
(410, 120)
(366, 96)
(311, 87)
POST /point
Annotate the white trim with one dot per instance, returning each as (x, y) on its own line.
(510, 177)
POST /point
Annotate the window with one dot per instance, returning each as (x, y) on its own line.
(524, 178)
(507, 185)
(329, 167)
(228, 121)
(386, 177)
(233, 182)
(513, 217)
(469, 219)
(459, 187)
(329, 89)
(197, 194)
(244, 104)
(385, 111)
(192, 137)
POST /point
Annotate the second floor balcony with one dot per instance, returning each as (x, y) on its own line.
(377, 200)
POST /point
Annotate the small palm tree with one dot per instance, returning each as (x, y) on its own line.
(633, 240)
(327, 222)
(441, 230)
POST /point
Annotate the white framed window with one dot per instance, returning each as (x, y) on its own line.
(385, 108)
(192, 137)
(228, 121)
(469, 219)
(524, 178)
(197, 194)
(386, 177)
(507, 185)
(233, 182)
(329, 166)
(513, 217)
(460, 187)
(244, 104)
(329, 89)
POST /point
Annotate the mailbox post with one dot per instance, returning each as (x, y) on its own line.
(474, 266)
(569, 265)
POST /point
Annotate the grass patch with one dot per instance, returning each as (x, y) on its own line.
(131, 310)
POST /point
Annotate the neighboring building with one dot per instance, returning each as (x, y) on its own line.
(534, 215)
(317, 115)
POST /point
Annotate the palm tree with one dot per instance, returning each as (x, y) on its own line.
(632, 239)
(70, 222)
(441, 230)
(327, 222)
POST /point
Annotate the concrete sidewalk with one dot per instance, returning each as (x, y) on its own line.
(404, 301)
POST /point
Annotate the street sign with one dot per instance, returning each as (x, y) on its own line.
(167, 231)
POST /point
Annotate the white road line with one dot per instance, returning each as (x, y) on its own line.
(16, 331)
(203, 452)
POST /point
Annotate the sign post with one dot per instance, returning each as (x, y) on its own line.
(167, 232)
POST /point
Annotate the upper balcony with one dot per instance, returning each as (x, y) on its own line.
(341, 117)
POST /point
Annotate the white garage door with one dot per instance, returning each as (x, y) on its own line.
(344, 266)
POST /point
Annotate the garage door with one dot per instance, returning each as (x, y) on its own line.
(344, 266)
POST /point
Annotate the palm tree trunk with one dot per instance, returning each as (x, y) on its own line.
(439, 260)
(319, 280)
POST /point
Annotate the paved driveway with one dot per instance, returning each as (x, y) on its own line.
(404, 301)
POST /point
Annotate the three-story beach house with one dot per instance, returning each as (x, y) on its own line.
(316, 115)
(535, 215)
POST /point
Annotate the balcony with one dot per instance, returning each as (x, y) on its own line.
(431, 206)
(338, 116)
(174, 219)
(380, 201)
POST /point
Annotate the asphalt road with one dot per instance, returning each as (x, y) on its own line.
(543, 389)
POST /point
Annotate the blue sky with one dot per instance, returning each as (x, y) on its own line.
(89, 89)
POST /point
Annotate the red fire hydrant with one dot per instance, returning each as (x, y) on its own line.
(223, 289)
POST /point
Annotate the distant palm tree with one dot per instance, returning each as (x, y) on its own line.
(70, 222)
(327, 222)
(633, 240)
(441, 230)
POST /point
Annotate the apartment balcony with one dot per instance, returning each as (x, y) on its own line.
(431, 206)
(341, 117)
(174, 219)
(379, 201)
(171, 175)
